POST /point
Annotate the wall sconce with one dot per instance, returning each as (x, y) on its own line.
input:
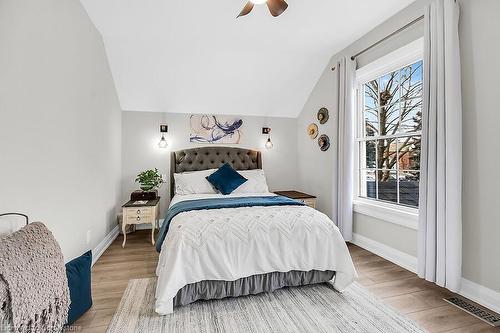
(269, 143)
(163, 142)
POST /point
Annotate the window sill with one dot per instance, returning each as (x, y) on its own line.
(403, 216)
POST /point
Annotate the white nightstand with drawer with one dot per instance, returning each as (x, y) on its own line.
(146, 213)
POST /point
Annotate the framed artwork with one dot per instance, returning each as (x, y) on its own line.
(215, 129)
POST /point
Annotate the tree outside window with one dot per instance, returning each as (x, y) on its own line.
(391, 139)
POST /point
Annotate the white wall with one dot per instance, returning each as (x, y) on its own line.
(479, 28)
(479, 36)
(316, 169)
(60, 130)
(60, 122)
(140, 151)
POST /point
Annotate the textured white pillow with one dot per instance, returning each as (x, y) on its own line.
(193, 182)
(256, 182)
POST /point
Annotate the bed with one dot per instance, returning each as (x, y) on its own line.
(214, 246)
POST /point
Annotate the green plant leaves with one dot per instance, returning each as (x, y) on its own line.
(149, 179)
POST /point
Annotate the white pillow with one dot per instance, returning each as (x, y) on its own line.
(194, 182)
(256, 182)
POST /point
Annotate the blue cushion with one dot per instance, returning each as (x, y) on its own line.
(78, 273)
(226, 179)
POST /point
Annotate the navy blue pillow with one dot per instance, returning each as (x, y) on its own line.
(226, 179)
(78, 273)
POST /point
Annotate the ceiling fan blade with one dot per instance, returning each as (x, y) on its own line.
(277, 7)
(247, 9)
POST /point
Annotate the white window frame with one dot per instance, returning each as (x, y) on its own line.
(386, 211)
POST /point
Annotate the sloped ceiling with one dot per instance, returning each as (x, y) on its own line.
(196, 57)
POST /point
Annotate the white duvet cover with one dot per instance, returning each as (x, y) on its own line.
(232, 243)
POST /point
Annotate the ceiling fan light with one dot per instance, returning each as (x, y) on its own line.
(258, 2)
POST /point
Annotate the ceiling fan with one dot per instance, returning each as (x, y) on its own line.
(276, 7)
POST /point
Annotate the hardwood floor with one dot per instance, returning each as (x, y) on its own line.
(419, 300)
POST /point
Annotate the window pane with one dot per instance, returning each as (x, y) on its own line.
(408, 103)
(389, 88)
(368, 184)
(409, 153)
(368, 151)
(389, 159)
(411, 80)
(411, 119)
(386, 154)
(410, 92)
(408, 188)
(389, 119)
(371, 95)
(387, 185)
(371, 122)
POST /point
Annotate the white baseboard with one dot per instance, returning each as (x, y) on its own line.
(475, 292)
(480, 294)
(104, 244)
(398, 257)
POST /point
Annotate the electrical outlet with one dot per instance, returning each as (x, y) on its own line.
(89, 236)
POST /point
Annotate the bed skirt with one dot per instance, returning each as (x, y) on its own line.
(252, 285)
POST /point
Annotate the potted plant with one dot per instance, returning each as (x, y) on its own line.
(149, 179)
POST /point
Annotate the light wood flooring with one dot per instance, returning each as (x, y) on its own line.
(419, 300)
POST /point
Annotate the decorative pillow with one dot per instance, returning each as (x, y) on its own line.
(193, 182)
(256, 182)
(226, 179)
(78, 273)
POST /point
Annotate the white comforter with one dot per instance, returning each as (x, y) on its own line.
(231, 243)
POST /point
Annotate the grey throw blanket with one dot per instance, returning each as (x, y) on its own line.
(34, 295)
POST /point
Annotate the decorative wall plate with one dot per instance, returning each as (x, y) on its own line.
(323, 115)
(324, 142)
(312, 130)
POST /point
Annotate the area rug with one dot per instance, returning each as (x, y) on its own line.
(315, 308)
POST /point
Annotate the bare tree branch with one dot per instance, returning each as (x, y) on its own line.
(395, 115)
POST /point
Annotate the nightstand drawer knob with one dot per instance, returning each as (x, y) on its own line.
(138, 211)
(138, 218)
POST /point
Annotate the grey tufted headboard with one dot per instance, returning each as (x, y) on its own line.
(204, 158)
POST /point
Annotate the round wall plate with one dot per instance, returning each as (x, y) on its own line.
(312, 130)
(324, 142)
(323, 115)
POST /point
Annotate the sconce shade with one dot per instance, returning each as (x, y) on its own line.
(163, 142)
(269, 144)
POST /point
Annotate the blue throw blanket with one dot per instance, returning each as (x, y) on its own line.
(217, 203)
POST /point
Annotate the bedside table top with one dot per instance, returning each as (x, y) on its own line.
(150, 203)
(295, 195)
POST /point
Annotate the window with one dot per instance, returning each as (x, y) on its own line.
(389, 131)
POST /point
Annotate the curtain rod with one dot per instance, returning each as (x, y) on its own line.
(388, 36)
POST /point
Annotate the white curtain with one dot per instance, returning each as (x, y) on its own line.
(346, 71)
(440, 215)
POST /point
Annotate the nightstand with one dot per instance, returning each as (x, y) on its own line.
(145, 212)
(309, 200)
